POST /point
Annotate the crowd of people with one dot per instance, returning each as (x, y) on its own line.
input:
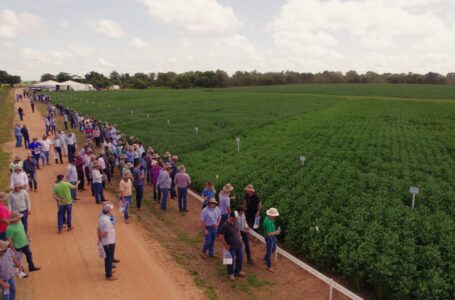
(104, 153)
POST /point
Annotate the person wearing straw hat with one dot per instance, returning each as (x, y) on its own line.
(270, 234)
(210, 219)
(19, 177)
(62, 194)
(35, 148)
(16, 162)
(5, 214)
(16, 235)
(164, 183)
(252, 204)
(7, 261)
(19, 201)
(230, 238)
(106, 235)
(225, 203)
(182, 180)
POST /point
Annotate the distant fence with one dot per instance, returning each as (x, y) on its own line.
(330, 282)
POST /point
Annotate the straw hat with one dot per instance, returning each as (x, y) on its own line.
(154, 162)
(167, 166)
(167, 154)
(272, 212)
(182, 168)
(213, 200)
(156, 155)
(150, 149)
(227, 188)
(3, 245)
(174, 157)
(107, 207)
(17, 158)
(129, 165)
(17, 184)
(17, 167)
(250, 187)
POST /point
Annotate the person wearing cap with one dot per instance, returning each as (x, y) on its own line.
(97, 183)
(164, 183)
(16, 162)
(173, 163)
(106, 235)
(270, 234)
(71, 176)
(18, 135)
(252, 204)
(46, 147)
(5, 215)
(225, 203)
(62, 194)
(16, 235)
(19, 201)
(35, 148)
(230, 238)
(207, 193)
(18, 177)
(210, 219)
(7, 261)
(182, 181)
(29, 167)
(126, 191)
(25, 135)
(154, 174)
(138, 182)
(71, 143)
(57, 149)
(242, 225)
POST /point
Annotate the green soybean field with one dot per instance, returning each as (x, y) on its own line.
(347, 208)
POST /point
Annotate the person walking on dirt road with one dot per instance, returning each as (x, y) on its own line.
(5, 215)
(106, 235)
(16, 235)
(125, 191)
(25, 135)
(29, 166)
(20, 111)
(35, 148)
(18, 135)
(19, 201)
(7, 261)
(182, 180)
(230, 237)
(210, 218)
(138, 181)
(62, 194)
(18, 177)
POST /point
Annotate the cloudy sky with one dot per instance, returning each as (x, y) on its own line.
(77, 36)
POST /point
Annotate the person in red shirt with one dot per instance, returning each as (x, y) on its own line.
(4, 216)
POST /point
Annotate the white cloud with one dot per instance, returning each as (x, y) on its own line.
(104, 64)
(186, 43)
(237, 43)
(372, 24)
(14, 24)
(65, 24)
(106, 27)
(198, 16)
(137, 43)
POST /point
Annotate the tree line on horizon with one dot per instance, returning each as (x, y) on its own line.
(219, 78)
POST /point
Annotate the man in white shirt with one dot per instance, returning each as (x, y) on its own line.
(57, 150)
(19, 177)
(97, 183)
(71, 175)
(45, 147)
(62, 139)
(106, 235)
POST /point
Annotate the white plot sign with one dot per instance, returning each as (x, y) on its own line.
(414, 191)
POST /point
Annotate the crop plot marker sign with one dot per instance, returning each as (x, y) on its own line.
(148, 116)
(168, 122)
(414, 191)
(196, 129)
(237, 139)
(302, 159)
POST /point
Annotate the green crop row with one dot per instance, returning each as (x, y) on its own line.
(347, 208)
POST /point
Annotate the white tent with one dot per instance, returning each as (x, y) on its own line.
(49, 83)
(75, 86)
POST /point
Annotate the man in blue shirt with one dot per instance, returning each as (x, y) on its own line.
(35, 147)
(210, 218)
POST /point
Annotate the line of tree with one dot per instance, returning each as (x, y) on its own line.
(9, 79)
(220, 78)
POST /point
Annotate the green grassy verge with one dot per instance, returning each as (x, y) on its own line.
(6, 125)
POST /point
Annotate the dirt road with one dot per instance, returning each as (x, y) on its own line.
(71, 268)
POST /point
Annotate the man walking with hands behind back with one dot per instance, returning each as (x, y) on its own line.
(106, 235)
(62, 194)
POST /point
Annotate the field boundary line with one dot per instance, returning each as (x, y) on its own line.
(330, 282)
